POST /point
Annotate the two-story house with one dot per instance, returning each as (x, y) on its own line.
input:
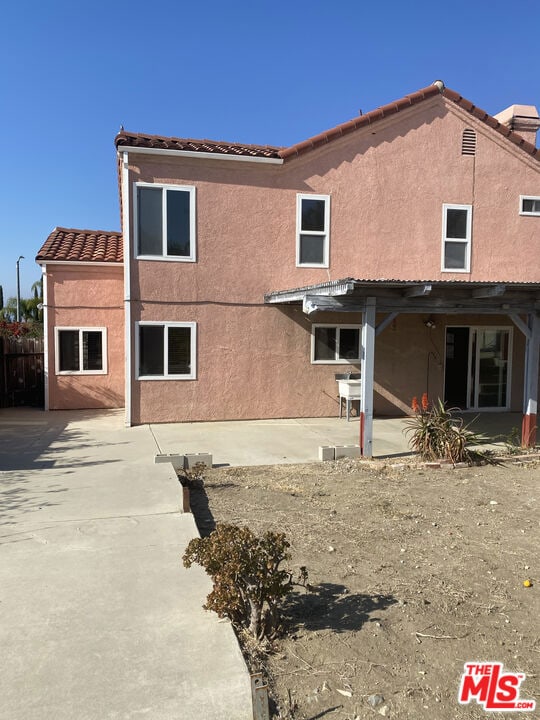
(403, 244)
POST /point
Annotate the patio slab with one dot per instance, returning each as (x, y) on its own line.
(99, 618)
(267, 442)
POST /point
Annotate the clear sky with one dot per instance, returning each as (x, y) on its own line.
(264, 71)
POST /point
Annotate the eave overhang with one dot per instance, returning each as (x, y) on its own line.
(418, 296)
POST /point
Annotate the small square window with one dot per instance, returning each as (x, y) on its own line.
(529, 205)
(80, 351)
(165, 222)
(167, 351)
(312, 230)
(335, 343)
(456, 238)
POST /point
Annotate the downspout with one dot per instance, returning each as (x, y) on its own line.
(45, 337)
(127, 286)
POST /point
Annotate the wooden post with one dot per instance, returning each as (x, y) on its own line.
(368, 372)
(530, 395)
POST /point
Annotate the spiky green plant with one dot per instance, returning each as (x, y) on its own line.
(437, 433)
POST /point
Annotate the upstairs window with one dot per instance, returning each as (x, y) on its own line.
(335, 344)
(165, 222)
(456, 242)
(312, 230)
(80, 351)
(166, 351)
(529, 205)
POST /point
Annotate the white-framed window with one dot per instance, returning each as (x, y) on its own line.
(335, 343)
(166, 350)
(529, 205)
(312, 230)
(80, 351)
(165, 222)
(456, 238)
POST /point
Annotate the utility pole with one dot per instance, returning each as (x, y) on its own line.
(21, 257)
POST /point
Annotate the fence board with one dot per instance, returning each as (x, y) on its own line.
(21, 372)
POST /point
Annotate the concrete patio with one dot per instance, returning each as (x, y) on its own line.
(98, 616)
(267, 442)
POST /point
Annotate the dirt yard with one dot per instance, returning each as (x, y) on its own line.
(416, 571)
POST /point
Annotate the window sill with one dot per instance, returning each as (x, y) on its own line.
(341, 361)
(81, 372)
(166, 258)
(167, 377)
(456, 270)
(313, 265)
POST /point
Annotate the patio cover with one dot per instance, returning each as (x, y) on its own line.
(519, 301)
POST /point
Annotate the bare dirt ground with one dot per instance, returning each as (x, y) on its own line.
(416, 571)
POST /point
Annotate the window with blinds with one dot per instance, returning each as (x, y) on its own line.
(80, 350)
(167, 350)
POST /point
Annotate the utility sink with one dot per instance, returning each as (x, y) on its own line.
(349, 389)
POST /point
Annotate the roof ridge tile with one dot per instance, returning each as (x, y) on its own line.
(221, 147)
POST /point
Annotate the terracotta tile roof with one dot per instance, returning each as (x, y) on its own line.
(408, 101)
(70, 245)
(138, 140)
(361, 121)
(125, 139)
(492, 122)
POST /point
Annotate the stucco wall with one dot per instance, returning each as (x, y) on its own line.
(387, 186)
(86, 296)
(256, 363)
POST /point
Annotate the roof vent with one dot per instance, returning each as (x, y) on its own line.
(468, 142)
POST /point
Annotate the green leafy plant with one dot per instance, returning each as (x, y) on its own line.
(436, 433)
(249, 583)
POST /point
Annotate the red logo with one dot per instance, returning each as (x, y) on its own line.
(493, 688)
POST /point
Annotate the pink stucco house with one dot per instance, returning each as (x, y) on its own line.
(403, 245)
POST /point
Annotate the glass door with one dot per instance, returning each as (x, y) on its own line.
(478, 367)
(489, 358)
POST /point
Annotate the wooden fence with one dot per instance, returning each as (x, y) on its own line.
(21, 372)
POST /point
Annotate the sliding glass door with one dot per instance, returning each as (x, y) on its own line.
(478, 367)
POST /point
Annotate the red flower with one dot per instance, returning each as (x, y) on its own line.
(425, 402)
(415, 406)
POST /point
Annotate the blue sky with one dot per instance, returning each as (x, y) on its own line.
(268, 72)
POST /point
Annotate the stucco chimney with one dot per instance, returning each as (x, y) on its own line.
(523, 119)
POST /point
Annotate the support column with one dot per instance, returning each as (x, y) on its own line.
(368, 372)
(530, 395)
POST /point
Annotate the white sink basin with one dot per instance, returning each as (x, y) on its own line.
(349, 388)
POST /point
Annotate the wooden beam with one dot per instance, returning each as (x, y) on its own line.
(518, 322)
(321, 303)
(417, 290)
(489, 291)
(287, 296)
(385, 323)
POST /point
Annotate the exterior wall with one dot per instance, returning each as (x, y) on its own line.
(410, 358)
(86, 296)
(387, 186)
(255, 363)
